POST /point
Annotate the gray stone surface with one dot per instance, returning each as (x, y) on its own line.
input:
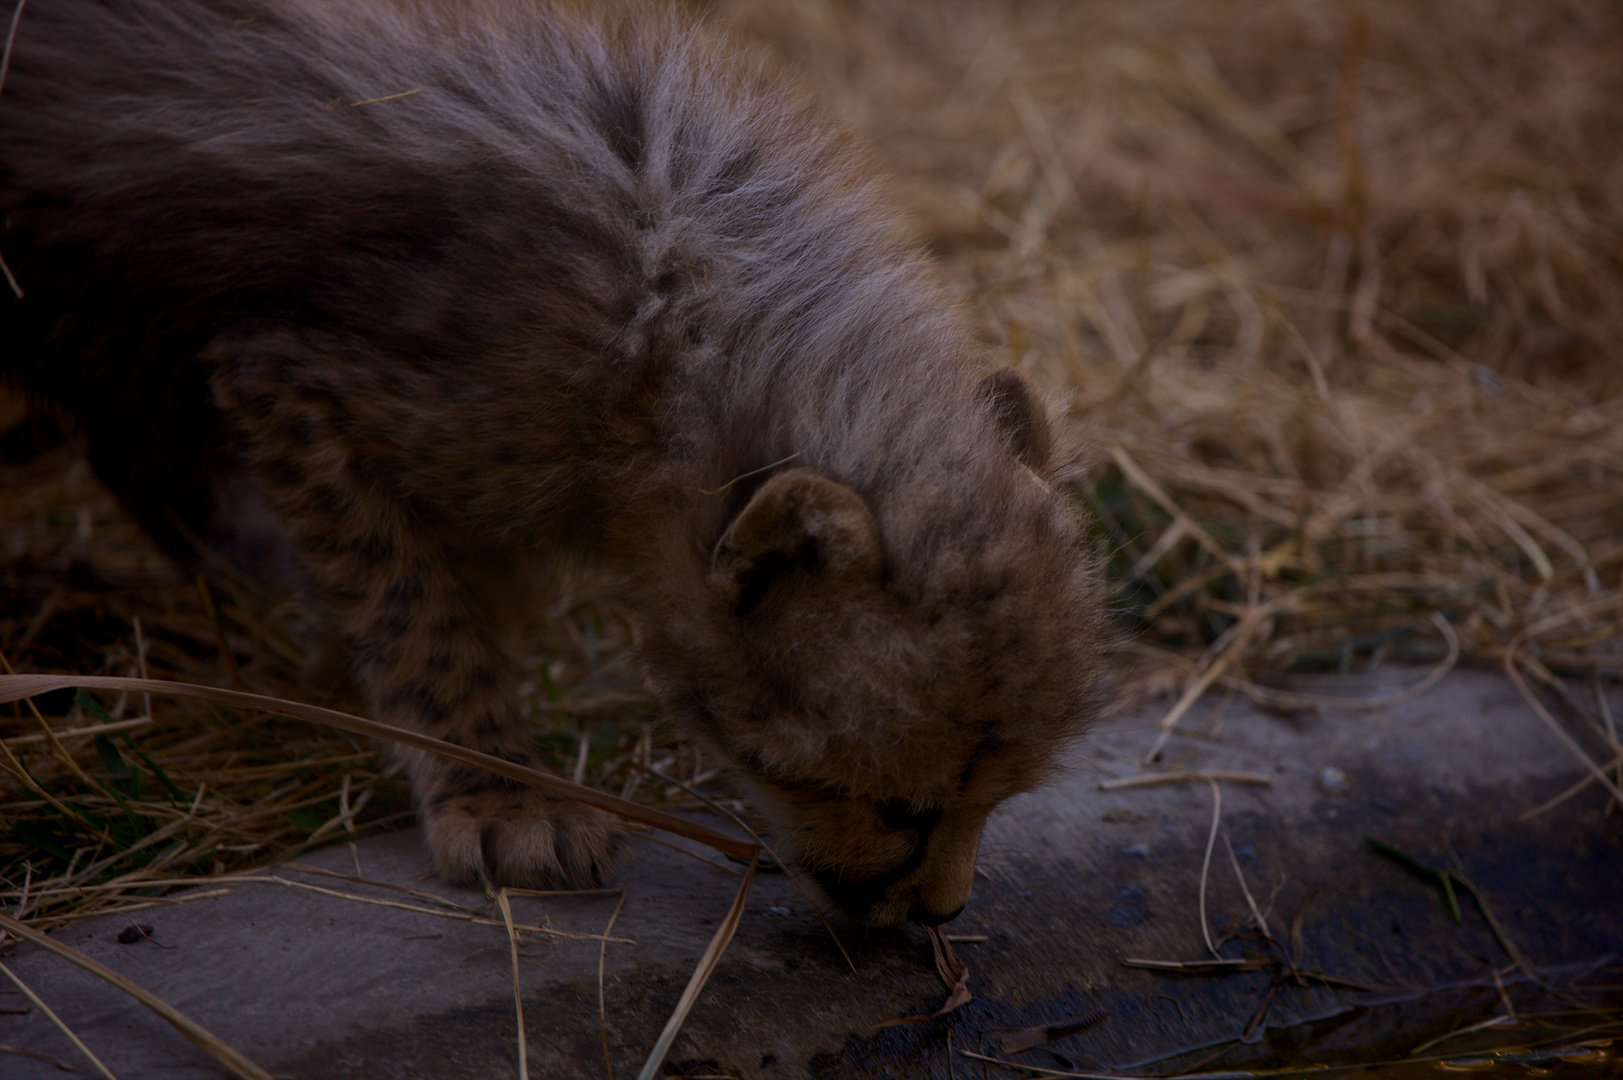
(1072, 880)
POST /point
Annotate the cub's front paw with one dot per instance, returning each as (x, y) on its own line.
(510, 835)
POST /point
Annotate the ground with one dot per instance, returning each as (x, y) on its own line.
(1337, 290)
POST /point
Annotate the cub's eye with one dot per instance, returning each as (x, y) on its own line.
(899, 814)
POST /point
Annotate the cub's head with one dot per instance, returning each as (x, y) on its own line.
(883, 671)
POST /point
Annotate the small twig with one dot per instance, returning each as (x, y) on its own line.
(143, 905)
(1220, 966)
(21, 910)
(1504, 996)
(1249, 1032)
(51, 737)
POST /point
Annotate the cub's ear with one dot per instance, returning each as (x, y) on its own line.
(800, 522)
(1014, 405)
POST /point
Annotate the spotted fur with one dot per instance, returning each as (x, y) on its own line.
(395, 301)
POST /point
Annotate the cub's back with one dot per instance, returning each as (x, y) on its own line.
(622, 210)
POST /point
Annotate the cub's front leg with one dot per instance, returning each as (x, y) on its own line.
(425, 651)
(428, 660)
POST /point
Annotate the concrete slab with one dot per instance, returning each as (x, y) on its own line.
(1072, 881)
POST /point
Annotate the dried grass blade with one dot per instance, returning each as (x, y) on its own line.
(518, 999)
(1245, 890)
(701, 975)
(5, 66)
(1243, 631)
(1615, 763)
(50, 1014)
(954, 975)
(456, 916)
(1015, 1042)
(1496, 512)
(120, 909)
(421, 894)
(1206, 864)
(1513, 670)
(788, 868)
(1164, 543)
(209, 1043)
(953, 971)
(1144, 482)
(82, 732)
(1265, 695)
(17, 687)
(1492, 1021)
(602, 1009)
(1043, 1072)
(1184, 776)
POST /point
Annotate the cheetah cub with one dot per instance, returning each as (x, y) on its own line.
(399, 299)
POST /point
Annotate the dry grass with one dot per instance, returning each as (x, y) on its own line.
(1337, 288)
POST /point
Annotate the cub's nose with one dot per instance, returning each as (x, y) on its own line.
(922, 914)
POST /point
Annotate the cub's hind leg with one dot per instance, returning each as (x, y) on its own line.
(427, 652)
